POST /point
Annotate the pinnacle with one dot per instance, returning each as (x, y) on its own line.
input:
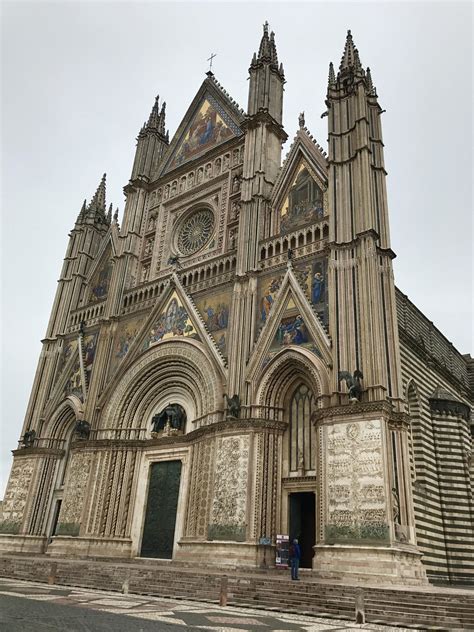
(350, 56)
(332, 76)
(267, 52)
(156, 120)
(96, 208)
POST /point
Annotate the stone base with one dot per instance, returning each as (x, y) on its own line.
(10, 543)
(220, 553)
(370, 564)
(70, 546)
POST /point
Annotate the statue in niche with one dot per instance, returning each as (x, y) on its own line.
(28, 439)
(190, 179)
(148, 248)
(226, 162)
(233, 405)
(233, 239)
(82, 429)
(159, 195)
(236, 184)
(217, 166)
(200, 174)
(171, 420)
(395, 506)
(151, 223)
(145, 273)
(182, 184)
(167, 192)
(235, 157)
(353, 384)
(174, 188)
(235, 210)
(208, 171)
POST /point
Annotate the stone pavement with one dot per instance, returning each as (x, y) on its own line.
(35, 607)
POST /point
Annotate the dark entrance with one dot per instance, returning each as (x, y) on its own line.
(303, 525)
(160, 514)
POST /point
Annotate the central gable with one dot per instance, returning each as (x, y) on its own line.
(211, 120)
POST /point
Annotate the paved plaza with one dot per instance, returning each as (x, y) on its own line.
(34, 607)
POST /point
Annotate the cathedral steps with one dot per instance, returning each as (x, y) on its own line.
(426, 607)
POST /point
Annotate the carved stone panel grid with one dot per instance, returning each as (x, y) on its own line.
(16, 495)
(355, 503)
(260, 484)
(229, 505)
(71, 509)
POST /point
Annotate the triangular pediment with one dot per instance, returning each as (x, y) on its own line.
(212, 119)
(290, 323)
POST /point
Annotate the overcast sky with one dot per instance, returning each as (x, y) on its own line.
(79, 79)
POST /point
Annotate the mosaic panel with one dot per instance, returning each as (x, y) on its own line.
(100, 282)
(209, 127)
(215, 310)
(126, 333)
(304, 203)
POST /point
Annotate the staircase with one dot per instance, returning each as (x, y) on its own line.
(426, 607)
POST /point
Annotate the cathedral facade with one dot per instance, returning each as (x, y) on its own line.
(233, 363)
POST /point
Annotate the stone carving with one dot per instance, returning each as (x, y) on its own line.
(228, 515)
(16, 494)
(356, 503)
(74, 494)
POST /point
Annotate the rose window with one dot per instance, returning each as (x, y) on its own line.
(195, 231)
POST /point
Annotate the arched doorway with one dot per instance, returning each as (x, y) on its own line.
(293, 383)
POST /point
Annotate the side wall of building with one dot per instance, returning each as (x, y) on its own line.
(436, 387)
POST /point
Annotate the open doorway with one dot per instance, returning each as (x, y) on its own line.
(303, 525)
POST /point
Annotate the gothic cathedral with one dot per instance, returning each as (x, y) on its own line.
(234, 363)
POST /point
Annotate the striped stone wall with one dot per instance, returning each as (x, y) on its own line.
(436, 382)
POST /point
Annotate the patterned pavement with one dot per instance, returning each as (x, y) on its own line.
(34, 607)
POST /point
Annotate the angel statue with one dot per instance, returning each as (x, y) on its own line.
(353, 384)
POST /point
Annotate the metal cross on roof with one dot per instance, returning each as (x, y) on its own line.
(210, 61)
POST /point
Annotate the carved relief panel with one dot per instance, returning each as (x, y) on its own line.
(16, 495)
(353, 471)
(229, 505)
(71, 509)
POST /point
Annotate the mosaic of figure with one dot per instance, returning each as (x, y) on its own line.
(173, 321)
(304, 203)
(126, 334)
(215, 312)
(68, 350)
(207, 128)
(292, 331)
(269, 293)
(100, 281)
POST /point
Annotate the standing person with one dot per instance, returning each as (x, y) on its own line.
(295, 556)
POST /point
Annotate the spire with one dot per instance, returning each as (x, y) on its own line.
(264, 53)
(156, 120)
(153, 119)
(116, 215)
(350, 57)
(96, 208)
(109, 214)
(273, 50)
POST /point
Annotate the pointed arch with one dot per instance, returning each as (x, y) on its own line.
(178, 371)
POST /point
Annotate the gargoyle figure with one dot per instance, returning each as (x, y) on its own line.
(353, 384)
(82, 429)
(233, 405)
(28, 439)
(174, 414)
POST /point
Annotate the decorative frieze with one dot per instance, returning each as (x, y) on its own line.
(16, 495)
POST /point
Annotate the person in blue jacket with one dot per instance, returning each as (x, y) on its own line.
(295, 556)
